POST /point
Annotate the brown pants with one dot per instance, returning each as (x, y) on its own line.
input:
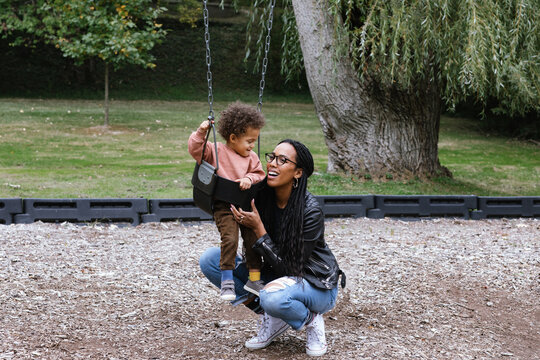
(228, 229)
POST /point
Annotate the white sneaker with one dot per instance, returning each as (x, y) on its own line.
(316, 338)
(269, 329)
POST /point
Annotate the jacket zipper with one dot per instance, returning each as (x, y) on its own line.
(320, 263)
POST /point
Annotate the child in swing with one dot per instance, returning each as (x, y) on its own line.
(239, 125)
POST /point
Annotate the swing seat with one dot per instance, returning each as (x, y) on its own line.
(209, 187)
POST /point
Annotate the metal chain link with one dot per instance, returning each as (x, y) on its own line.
(208, 63)
(209, 80)
(265, 65)
(266, 51)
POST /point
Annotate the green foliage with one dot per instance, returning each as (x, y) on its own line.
(18, 16)
(292, 60)
(472, 49)
(257, 26)
(119, 32)
(479, 51)
(189, 11)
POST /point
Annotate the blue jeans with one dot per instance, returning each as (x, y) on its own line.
(290, 299)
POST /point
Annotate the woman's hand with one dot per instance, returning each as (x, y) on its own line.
(250, 219)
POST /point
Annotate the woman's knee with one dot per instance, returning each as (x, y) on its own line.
(274, 302)
(207, 261)
(276, 296)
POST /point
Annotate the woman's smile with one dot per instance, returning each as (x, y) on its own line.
(272, 173)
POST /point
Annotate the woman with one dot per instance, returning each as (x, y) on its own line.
(300, 270)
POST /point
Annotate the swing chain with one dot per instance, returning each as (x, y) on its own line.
(208, 63)
(266, 51)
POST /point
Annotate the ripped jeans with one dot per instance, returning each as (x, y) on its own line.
(286, 298)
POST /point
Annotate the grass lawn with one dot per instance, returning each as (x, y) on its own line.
(58, 149)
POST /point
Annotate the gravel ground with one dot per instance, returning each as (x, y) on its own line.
(431, 289)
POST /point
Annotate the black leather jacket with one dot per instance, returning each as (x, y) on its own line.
(320, 266)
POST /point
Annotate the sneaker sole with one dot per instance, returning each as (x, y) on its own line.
(262, 345)
(253, 291)
(319, 352)
(228, 297)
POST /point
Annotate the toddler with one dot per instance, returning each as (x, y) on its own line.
(239, 125)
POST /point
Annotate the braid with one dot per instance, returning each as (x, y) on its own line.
(292, 228)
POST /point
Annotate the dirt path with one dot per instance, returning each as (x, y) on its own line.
(435, 289)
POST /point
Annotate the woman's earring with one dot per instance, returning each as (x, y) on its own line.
(295, 184)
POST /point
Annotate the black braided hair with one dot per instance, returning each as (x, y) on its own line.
(289, 238)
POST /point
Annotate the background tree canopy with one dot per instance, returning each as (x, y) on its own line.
(480, 51)
(117, 32)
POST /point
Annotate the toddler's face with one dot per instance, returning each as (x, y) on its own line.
(244, 143)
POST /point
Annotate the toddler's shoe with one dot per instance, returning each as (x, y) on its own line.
(254, 286)
(227, 290)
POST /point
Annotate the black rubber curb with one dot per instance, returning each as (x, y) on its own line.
(136, 211)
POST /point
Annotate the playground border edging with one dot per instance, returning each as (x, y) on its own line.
(8, 208)
(137, 210)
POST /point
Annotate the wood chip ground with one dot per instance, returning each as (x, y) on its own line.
(430, 289)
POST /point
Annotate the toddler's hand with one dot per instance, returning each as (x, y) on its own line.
(205, 125)
(245, 183)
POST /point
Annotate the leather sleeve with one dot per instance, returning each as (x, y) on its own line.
(313, 226)
(266, 248)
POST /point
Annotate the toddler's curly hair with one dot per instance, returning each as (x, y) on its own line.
(236, 119)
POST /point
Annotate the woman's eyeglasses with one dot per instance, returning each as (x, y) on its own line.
(280, 159)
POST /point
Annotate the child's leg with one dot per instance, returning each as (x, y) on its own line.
(253, 260)
(209, 264)
(228, 230)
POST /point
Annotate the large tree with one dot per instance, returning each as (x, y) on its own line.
(380, 72)
(117, 32)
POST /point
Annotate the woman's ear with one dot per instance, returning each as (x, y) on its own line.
(298, 173)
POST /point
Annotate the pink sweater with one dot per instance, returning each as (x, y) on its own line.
(232, 166)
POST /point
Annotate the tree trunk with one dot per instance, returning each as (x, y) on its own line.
(370, 131)
(106, 123)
